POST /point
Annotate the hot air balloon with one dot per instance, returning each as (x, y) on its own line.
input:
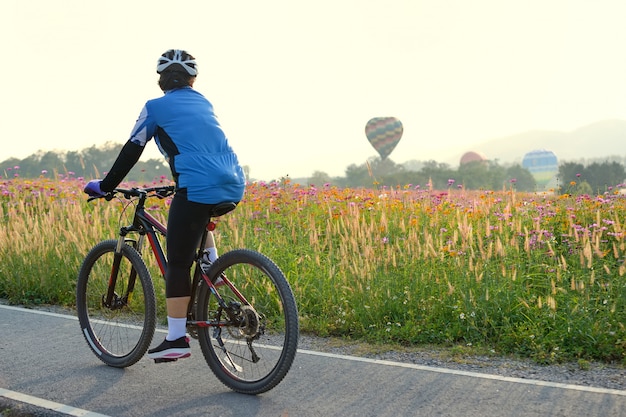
(384, 133)
(472, 156)
(542, 164)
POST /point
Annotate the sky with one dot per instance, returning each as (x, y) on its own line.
(294, 82)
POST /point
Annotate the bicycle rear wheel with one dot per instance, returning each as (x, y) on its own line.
(248, 346)
(119, 333)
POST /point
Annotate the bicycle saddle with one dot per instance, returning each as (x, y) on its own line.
(222, 208)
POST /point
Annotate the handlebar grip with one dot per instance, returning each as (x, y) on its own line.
(108, 197)
(160, 192)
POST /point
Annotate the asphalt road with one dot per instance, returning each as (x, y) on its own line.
(45, 363)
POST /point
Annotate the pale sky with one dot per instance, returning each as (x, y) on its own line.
(295, 82)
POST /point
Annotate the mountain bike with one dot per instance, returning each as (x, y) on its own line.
(242, 310)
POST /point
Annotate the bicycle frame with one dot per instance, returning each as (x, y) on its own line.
(144, 224)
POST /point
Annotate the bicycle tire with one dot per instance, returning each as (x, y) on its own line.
(265, 287)
(118, 336)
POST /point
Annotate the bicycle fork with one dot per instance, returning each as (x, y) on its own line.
(113, 300)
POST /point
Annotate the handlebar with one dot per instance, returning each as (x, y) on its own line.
(163, 191)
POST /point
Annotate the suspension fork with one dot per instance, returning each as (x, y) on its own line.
(117, 260)
(138, 245)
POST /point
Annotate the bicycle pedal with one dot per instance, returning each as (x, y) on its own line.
(163, 360)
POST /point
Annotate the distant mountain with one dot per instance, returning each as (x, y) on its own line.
(598, 140)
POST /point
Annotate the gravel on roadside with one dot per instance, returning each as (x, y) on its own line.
(585, 373)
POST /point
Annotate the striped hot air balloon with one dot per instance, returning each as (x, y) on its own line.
(384, 133)
(542, 164)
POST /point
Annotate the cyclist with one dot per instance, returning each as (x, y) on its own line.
(206, 171)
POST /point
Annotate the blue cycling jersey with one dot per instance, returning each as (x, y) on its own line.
(187, 132)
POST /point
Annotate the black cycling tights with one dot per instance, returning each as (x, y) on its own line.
(185, 224)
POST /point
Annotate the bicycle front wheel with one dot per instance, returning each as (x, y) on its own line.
(118, 331)
(250, 339)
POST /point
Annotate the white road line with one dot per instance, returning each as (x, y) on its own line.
(470, 374)
(46, 313)
(49, 405)
(411, 366)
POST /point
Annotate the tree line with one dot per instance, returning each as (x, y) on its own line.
(488, 175)
(573, 177)
(88, 163)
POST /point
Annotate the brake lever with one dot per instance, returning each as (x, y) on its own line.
(108, 197)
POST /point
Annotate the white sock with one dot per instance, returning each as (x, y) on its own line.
(212, 253)
(176, 328)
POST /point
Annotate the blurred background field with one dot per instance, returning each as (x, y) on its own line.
(532, 274)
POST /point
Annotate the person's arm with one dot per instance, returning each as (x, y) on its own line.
(128, 157)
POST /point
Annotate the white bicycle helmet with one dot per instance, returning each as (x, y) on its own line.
(177, 56)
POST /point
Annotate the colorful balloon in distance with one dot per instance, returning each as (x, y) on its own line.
(384, 133)
(471, 156)
(542, 164)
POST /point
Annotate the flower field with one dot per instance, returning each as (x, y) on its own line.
(535, 275)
